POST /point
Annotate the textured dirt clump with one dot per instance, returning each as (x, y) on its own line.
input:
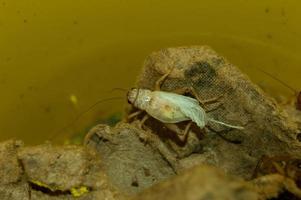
(131, 163)
(12, 184)
(49, 172)
(201, 183)
(79, 167)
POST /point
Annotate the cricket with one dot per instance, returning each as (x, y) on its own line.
(170, 108)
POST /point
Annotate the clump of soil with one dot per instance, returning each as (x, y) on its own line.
(130, 161)
(49, 172)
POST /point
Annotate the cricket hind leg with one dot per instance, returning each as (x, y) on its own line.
(186, 90)
(184, 142)
(191, 91)
(207, 101)
(181, 134)
(274, 164)
(160, 81)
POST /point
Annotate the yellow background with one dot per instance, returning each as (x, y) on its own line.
(50, 50)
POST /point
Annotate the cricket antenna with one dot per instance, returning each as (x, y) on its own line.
(118, 89)
(80, 115)
(279, 80)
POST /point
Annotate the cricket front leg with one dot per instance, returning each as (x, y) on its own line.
(143, 120)
(141, 123)
(132, 115)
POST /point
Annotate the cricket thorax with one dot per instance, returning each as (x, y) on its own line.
(140, 98)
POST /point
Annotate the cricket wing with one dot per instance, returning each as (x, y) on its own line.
(189, 107)
(195, 112)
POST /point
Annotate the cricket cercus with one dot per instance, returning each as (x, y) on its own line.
(170, 107)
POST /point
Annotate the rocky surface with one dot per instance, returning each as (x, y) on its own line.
(48, 172)
(131, 163)
(201, 183)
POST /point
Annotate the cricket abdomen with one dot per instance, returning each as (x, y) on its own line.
(165, 111)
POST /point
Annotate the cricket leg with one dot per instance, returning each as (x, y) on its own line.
(174, 128)
(154, 140)
(275, 162)
(162, 79)
(259, 164)
(182, 135)
(191, 90)
(99, 132)
(141, 123)
(207, 101)
(88, 137)
(279, 169)
(145, 135)
(132, 115)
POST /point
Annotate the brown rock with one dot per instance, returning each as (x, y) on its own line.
(62, 167)
(15, 191)
(131, 163)
(200, 183)
(10, 170)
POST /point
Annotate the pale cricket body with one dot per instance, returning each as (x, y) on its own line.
(169, 107)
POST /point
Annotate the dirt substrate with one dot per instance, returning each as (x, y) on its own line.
(262, 161)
